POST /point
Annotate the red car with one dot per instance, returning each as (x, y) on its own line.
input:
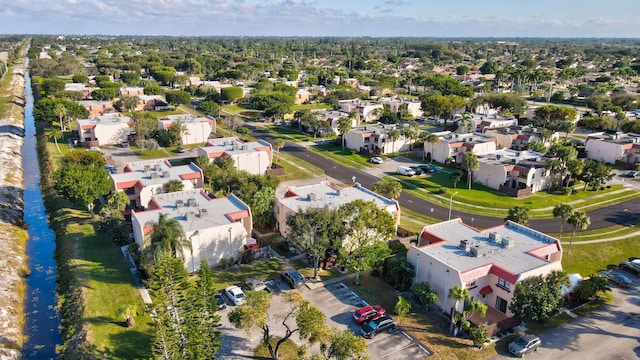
(368, 313)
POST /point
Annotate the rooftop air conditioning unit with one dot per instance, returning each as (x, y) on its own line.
(157, 167)
(179, 203)
(203, 212)
(495, 236)
(311, 197)
(476, 251)
(465, 245)
(147, 168)
(153, 175)
(189, 216)
(508, 242)
(165, 174)
(192, 202)
(338, 192)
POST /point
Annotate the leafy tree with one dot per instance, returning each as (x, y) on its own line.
(368, 228)
(44, 110)
(478, 335)
(52, 86)
(562, 211)
(243, 131)
(81, 184)
(580, 221)
(489, 67)
(425, 294)
(398, 273)
(344, 125)
(537, 146)
(126, 103)
(595, 174)
(152, 89)
(144, 124)
(261, 205)
(118, 200)
(174, 185)
(344, 345)
(456, 176)
(388, 188)
(402, 308)
(231, 93)
(469, 162)
(83, 158)
(177, 97)
(209, 107)
(128, 312)
(313, 230)
(201, 322)
(591, 286)
(130, 78)
(278, 144)
(518, 214)
(80, 78)
(253, 314)
(61, 112)
(104, 94)
(538, 298)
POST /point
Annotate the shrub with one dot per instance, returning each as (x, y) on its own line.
(147, 144)
(397, 247)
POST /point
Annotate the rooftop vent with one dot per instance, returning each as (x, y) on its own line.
(153, 175)
(192, 202)
(157, 167)
(165, 174)
(311, 197)
(508, 242)
(476, 251)
(179, 203)
(203, 212)
(189, 216)
(495, 236)
(338, 192)
(498, 156)
(147, 168)
(465, 245)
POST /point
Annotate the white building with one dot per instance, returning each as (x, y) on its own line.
(453, 145)
(402, 106)
(375, 140)
(326, 195)
(143, 179)
(197, 129)
(216, 228)
(483, 122)
(365, 111)
(518, 137)
(611, 148)
(105, 130)
(515, 173)
(489, 263)
(253, 157)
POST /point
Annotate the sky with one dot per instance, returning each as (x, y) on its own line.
(375, 18)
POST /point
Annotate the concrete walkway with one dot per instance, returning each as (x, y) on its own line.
(136, 276)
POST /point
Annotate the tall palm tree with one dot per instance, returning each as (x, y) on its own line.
(427, 137)
(344, 125)
(56, 134)
(278, 144)
(469, 162)
(580, 221)
(562, 211)
(393, 135)
(167, 237)
(61, 112)
(409, 134)
(518, 214)
(459, 294)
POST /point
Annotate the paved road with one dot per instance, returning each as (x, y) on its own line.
(621, 213)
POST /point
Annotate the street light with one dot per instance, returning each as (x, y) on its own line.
(417, 263)
(451, 203)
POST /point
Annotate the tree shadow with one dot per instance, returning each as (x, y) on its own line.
(129, 345)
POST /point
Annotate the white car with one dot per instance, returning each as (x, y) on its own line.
(377, 160)
(235, 294)
(255, 285)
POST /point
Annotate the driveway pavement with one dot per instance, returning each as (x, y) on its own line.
(612, 332)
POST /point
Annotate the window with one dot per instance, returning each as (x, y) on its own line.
(501, 304)
(503, 284)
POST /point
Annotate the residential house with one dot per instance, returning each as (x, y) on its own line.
(488, 263)
(151, 103)
(451, 146)
(131, 91)
(97, 108)
(365, 111)
(253, 157)
(79, 87)
(619, 148)
(326, 195)
(303, 96)
(374, 139)
(141, 180)
(330, 119)
(483, 122)
(512, 172)
(216, 228)
(104, 130)
(197, 129)
(518, 137)
(403, 106)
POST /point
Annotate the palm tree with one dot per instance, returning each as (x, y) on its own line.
(469, 162)
(580, 221)
(344, 125)
(459, 294)
(61, 112)
(467, 121)
(562, 211)
(118, 200)
(173, 186)
(56, 134)
(167, 237)
(402, 308)
(518, 214)
(128, 312)
(278, 144)
(388, 188)
(393, 135)
(409, 134)
(427, 137)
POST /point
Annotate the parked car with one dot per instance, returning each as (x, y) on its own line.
(220, 301)
(524, 345)
(404, 170)
(235, 294)
(368, 313)
(416, 169)
(293, 278)
(377, 160)
(181, 150)
(633, 174)
(617, 278)
(125, 144)
(95, 148)
(430, 169)
(633, 265)
(111, 169)
(374, 327)
(255, 284)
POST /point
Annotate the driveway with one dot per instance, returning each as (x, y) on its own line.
(612, 332)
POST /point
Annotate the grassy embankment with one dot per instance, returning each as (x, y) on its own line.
(94, 280)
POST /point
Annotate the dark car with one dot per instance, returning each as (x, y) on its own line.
(368, 313)
(220, 301)
(633, 174)
(429, 169)
(293, 278)
(524, 345)
(618, 279)
(374, 327)
(416, 169)
(632, 265)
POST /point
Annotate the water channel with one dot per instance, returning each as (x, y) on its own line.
(42, 321)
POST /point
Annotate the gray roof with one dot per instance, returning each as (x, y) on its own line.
(525, 253)
(135, 171)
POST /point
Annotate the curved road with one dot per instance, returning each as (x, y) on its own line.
(618, 214)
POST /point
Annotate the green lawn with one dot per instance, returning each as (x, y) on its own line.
(599, 255)
(345, 156)
(296, 168)
(262, 270)
(310, 107)
(287, 133)
(99, 269)
(150, 154)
